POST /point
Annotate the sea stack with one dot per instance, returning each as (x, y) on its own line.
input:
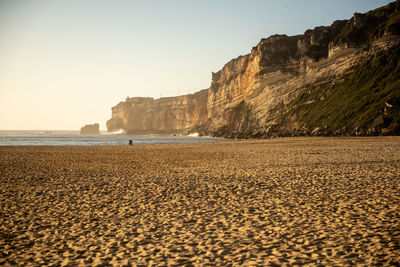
(91, 129)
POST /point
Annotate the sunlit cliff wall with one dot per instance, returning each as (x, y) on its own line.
(166, 115)
(252, 94)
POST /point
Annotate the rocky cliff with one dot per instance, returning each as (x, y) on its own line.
(138, 115)
(332, 80)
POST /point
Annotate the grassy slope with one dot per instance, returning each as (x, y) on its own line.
(356, 100)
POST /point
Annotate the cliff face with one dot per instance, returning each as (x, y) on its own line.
(257, 95)
(167, 115)
(272, 90)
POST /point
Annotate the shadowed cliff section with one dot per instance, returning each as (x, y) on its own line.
(340, 79)
(363, 101)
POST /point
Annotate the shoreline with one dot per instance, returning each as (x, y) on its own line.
(93, 140)
(222, 139)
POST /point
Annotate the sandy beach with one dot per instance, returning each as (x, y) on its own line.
(287, 201)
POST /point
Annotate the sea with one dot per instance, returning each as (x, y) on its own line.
(73, 138)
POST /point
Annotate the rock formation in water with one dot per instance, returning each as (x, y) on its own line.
(91, 129)
(341, 79)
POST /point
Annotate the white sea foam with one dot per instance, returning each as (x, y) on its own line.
(193, 134)
(116, 132)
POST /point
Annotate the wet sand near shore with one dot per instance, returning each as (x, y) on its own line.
(288, 201)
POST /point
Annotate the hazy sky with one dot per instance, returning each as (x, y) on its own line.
(64, 64)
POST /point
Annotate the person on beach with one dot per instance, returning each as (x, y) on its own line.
(130, 142)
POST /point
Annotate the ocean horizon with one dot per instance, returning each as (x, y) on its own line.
(74, 138)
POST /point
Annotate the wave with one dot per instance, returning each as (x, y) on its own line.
(194, 134)
(116, 132)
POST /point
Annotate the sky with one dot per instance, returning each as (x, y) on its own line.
(65, 63)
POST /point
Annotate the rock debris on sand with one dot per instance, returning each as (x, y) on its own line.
(326, 201)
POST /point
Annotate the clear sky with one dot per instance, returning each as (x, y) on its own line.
(65, 63)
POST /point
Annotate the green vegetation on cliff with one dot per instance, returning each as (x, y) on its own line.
(363, 28)
(356, 99)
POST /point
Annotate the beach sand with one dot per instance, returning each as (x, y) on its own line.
(326, 201)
